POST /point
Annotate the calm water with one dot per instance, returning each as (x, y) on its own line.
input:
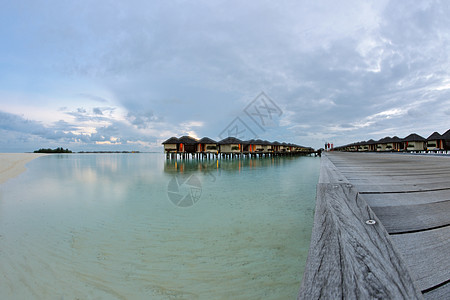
(135, 226)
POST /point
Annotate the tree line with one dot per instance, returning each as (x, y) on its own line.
(57, 150)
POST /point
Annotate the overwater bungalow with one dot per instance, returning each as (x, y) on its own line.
(295, 148)
(187, 144)
(351, 147)
(414, 142)
(446, 138)
(230, 145)
(382, 144)
(188, 147)
(363, 146)
(171, 145)
(258, 146)
(268, 148)
(276, 146)
(394, 144)
(371, 145)
(435, 142)
(292, 147)
(247, 146)
(207, 145)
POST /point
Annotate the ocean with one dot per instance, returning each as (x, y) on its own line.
(138, 226)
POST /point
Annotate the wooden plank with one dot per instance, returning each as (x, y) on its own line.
(427, 255)
(406, 198)
(394, 176)
(404, 181)
(397, 176)
(329, 173)
(440, 293)
(409, 193)
(401, 188)
(407, 218)
(347, 257)
(411, 196)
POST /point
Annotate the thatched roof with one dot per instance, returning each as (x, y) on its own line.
(172, 140)
(230, 140)
(413, 138)
(358, 143)
(207, 140)
(446, 135)
(384, 140)
(395, 139)
(248, 142)
(370, 142)
(188, 140)
(435, 136)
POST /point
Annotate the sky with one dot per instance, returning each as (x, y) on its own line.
(127, 75)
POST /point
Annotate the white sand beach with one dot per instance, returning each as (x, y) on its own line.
(12, 164)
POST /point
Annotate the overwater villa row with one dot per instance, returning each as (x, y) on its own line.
(412, 143)
(187, 146)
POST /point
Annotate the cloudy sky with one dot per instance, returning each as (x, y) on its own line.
(104, 75)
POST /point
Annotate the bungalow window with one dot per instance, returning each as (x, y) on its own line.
(431, 144)
(211, 148)
(411, 146)
(235, 148)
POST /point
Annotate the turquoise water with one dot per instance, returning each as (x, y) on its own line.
(135, 226)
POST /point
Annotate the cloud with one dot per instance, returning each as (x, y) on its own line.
(97, 111)
(17, 123)
(96, 114)
(117, 133)
(339, 71)
(93, 97)
(142, 120)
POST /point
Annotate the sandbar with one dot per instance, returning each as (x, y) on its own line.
(13, 164)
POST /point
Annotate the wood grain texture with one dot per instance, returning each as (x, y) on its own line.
(440, 293)
(401, 188)
(406, 198)
(329, 172)
(426, 255)
(410, 194)
(349, 259)
(407, 218)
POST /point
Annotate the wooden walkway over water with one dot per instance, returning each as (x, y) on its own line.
(406, 253)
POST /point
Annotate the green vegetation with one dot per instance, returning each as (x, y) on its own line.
(57, 150)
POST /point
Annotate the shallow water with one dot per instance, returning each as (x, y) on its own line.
(135, 226)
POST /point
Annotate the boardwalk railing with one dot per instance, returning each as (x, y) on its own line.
(351, 255)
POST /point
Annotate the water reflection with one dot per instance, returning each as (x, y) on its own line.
(177, 166)
(102, 226)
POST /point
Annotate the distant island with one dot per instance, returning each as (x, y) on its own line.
(57, 150)
(62, 150)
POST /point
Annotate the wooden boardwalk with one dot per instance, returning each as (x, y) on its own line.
(406, 253)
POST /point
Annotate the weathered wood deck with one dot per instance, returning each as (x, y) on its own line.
(406, 254)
